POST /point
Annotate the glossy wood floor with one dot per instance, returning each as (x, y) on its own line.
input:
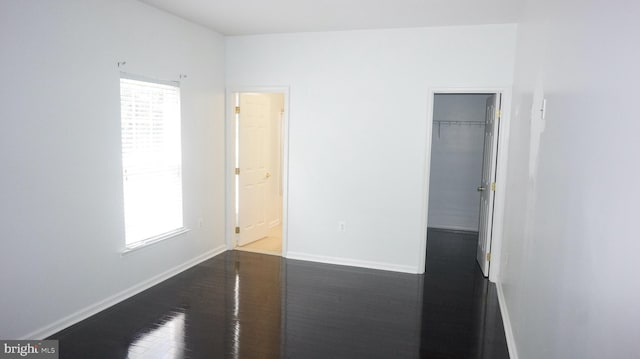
(248, 305)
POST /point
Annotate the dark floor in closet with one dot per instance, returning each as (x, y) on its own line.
(246, 305)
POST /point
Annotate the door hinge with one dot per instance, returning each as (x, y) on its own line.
(498, 113)
(237, 110)
(489, 257)
(493, 186)
(237, 230)
(237, 170)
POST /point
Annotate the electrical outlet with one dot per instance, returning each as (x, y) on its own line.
(342, 226)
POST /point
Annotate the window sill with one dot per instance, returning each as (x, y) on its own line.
(153, 240)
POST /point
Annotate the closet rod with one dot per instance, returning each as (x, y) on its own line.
(474, 123)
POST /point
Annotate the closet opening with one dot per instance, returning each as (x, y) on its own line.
(462, 173)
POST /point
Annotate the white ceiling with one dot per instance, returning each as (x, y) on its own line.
(242, 17)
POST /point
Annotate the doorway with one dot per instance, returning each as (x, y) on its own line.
(258, 158)
(463, 168)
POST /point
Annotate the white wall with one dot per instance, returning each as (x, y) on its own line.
(570, 261)
(456, 161)
(61, 204)
(358, 127)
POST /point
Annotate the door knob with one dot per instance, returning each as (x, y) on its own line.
(480, 189)
(267, 175)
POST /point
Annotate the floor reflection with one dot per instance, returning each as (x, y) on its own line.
(461, 317)
(255, 305)
(248, 305)
(346, 312)
(235, 341)
(165, 341)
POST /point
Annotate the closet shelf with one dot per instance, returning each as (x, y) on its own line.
(457, 123)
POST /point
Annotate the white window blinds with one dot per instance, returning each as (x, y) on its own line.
(151, 159)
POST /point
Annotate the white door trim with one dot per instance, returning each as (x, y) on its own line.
(501, 174)
(230, 145)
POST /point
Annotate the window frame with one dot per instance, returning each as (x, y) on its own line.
(142, 243)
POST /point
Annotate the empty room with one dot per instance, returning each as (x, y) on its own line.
(304, 179)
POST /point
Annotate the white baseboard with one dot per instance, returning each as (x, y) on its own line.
(95, 308)
(352, 262)
(506, 320)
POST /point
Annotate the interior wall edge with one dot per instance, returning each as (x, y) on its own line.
(110, 301)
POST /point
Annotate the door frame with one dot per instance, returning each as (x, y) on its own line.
(230, 145)
(501, 172)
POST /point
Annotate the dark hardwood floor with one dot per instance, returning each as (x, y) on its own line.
(246, 305)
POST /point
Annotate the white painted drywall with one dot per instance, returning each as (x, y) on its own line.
(358, 128)
(570, 257)
(456, 161)
(61, 204)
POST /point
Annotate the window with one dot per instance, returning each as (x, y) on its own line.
(151, 160)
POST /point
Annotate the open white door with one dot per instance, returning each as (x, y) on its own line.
(486, 187)
(253, 160)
